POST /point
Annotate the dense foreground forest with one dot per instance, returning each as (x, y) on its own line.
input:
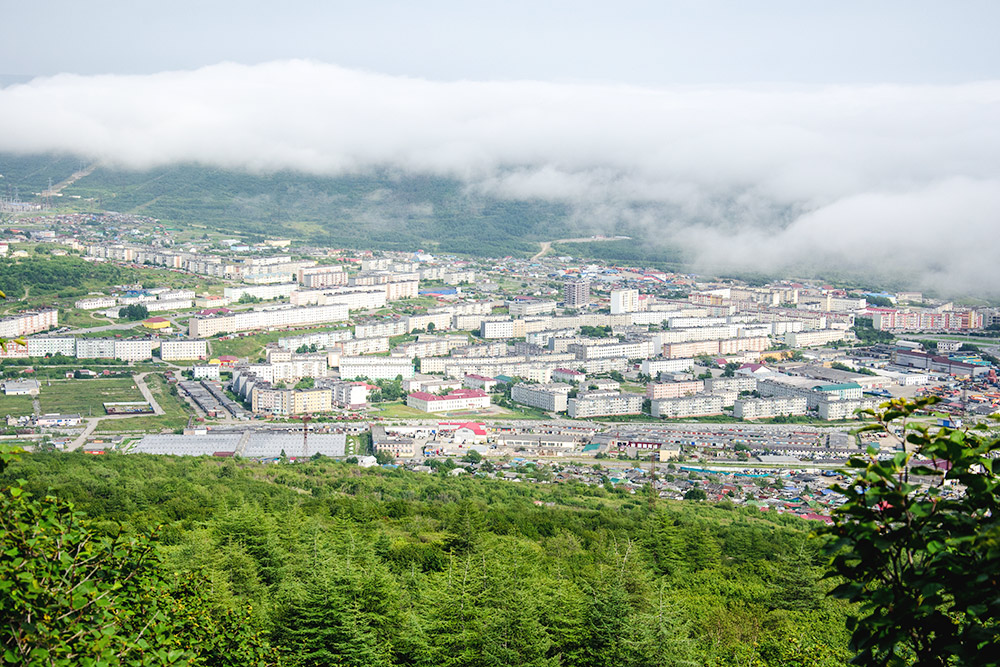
(323, 563)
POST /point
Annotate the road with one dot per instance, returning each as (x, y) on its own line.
(547, 245)
(92, 422)
(140, 382)
(108, 327)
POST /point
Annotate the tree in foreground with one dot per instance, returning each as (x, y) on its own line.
(917, 544)
(70, 595)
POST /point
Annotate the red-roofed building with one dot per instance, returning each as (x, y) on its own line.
(460, 399)
(568, 375)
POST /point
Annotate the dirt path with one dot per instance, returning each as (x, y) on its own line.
(76, 176)
(547, 245)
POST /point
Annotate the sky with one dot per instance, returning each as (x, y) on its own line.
(761, 135)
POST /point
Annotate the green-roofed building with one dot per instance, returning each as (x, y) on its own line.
(845, 391)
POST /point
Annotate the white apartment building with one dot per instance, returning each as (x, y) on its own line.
(458, 277)
(321, 340)
(431, 346)
(440, 321)
(496, 329)
(552, 397)
(376, 368)
(816, 337)
(354, 298)
(653, 367)
(183, 350)
(624, 301)
(765, 408)
(736, 383)
(263, 292)
(96, 302)
(41, 347)
(603, 403)
(359, 346)
(350, 395)
(206, 372)
(322, 276)
(95, 348)
(138, 349)
(378, 329)
(277, 318)
(656, 390)
(401, 289)
(640, 349)
(700, 405)
(845, 409)
(525, 307)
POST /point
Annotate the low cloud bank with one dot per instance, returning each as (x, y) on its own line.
(881, 180)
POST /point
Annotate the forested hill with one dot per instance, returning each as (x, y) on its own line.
(323, 563)
(386, 209)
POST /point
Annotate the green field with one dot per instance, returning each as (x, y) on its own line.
(399, 410)
(15, 406)
(175, 411)
(86, 397)
(253, 345)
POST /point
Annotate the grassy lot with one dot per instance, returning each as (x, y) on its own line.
(175, 411)
(15, 406)
(86, 397)
(524, 412)
(633, 388)
(253, 345)
(399, 410)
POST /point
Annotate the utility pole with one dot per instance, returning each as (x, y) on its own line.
(305, 435)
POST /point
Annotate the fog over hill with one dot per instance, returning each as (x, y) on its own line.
(879, 180)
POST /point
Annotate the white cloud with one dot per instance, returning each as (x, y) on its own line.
(906, 168)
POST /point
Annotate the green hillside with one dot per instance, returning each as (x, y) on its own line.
(323, 563)
(384, 209)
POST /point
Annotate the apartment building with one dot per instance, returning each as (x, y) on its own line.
(139, 349)
(551, 397)
(269, 400)
(527, 307)
(378, 329)
(624, 301)
(44, 347)
(206, 372)
(314, 277)
(183, 350)
(815, 337)
(376, 368)
(321, 340)
(28, 322)
(350, 395)
(603, 403)
(500, 328)
(639, 349)
(431, 346)
(699, 405)
(653, 367)
(440, 322)
(656, 390)
(401, 289)
(765, 408)
(277, 318)
(96, 302)
(576, 293)
(262, 292)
